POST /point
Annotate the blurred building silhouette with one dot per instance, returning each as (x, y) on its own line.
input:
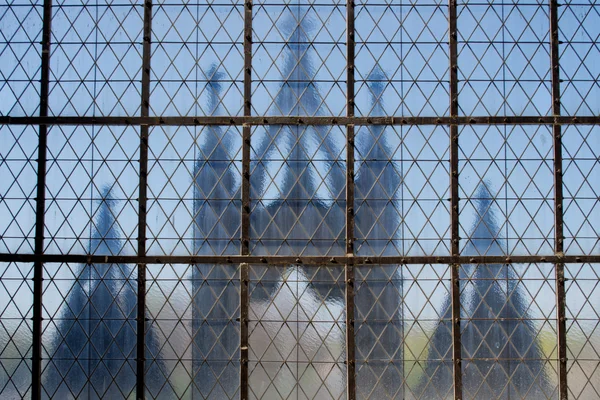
(93, 349)
(502, 358)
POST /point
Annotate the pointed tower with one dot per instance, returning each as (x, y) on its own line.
(97, 321)
(303, 198)
(113, 303)
(298, 196)
(379, 299)
(216, 225)
(495, 323)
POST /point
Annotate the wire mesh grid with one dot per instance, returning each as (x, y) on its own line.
(299, 199)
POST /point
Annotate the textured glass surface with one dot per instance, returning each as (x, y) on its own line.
(583, 334)
(182, 146)
(18, 166)
(579, 27)
(403, 332)
(297, 190)
(193, 332)
(89, 330)
(299, 55)
(504, 58)
(581, 147)
(194, 45)
(20, 51)
(402, 58)
(401, 184)
(91, 170)
(506, 190)
(297, 344)
(194, 190)
(16, 312)
(508, 331)
(96, 59)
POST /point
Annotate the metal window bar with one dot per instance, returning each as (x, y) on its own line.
(142, 206)
(561, 329)
(245, 259)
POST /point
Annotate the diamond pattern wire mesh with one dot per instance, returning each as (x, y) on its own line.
(297, 190)
(96, 58)
(508, 331)
(506, 190)
(89, 168)
(300, 60)
(20, 52)
(400, 189)
(83, 315)
(15, 329)
(194, 190)
(579, 31)
(583, 347)
(18, 153)
(296, 332)
(582, 196)
(88, 339)
(503, 66)
(193, 45)
(403, 332)
(401, 56)
(193, 334)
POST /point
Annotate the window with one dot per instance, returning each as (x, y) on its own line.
(298, 199)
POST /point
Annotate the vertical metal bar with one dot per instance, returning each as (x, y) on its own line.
(558, 206)
(38, 269)
(350, 45)
(454, 231)
(246, 133)
(350, 59)
(350, 190)
(245, 250)
(350, 351)
(244, 312)
(142, 198)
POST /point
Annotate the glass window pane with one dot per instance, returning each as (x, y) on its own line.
(401, 187)
(96, 58)
(194, 190)
(506, 190)
(583, 336)
(20, 51)
(508, 331)
(581, 152)
(89, 330)
(504, 58)
(297, 332)
(193, 331)
(297, 190)
(16, 329)
(18, 188)
(92, 184)
(299, 59)
(403, 332)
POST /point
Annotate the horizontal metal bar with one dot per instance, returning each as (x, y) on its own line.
(307, 260)
(271, 120)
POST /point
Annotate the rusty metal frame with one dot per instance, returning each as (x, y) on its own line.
(349, 267)
(291, 120)
(558, 209)
(142, 206)
(145, 120)
(454, 204)
(245, 222)
(297, 260)
(38, 272)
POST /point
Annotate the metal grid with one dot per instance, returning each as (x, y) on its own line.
(510, 75)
